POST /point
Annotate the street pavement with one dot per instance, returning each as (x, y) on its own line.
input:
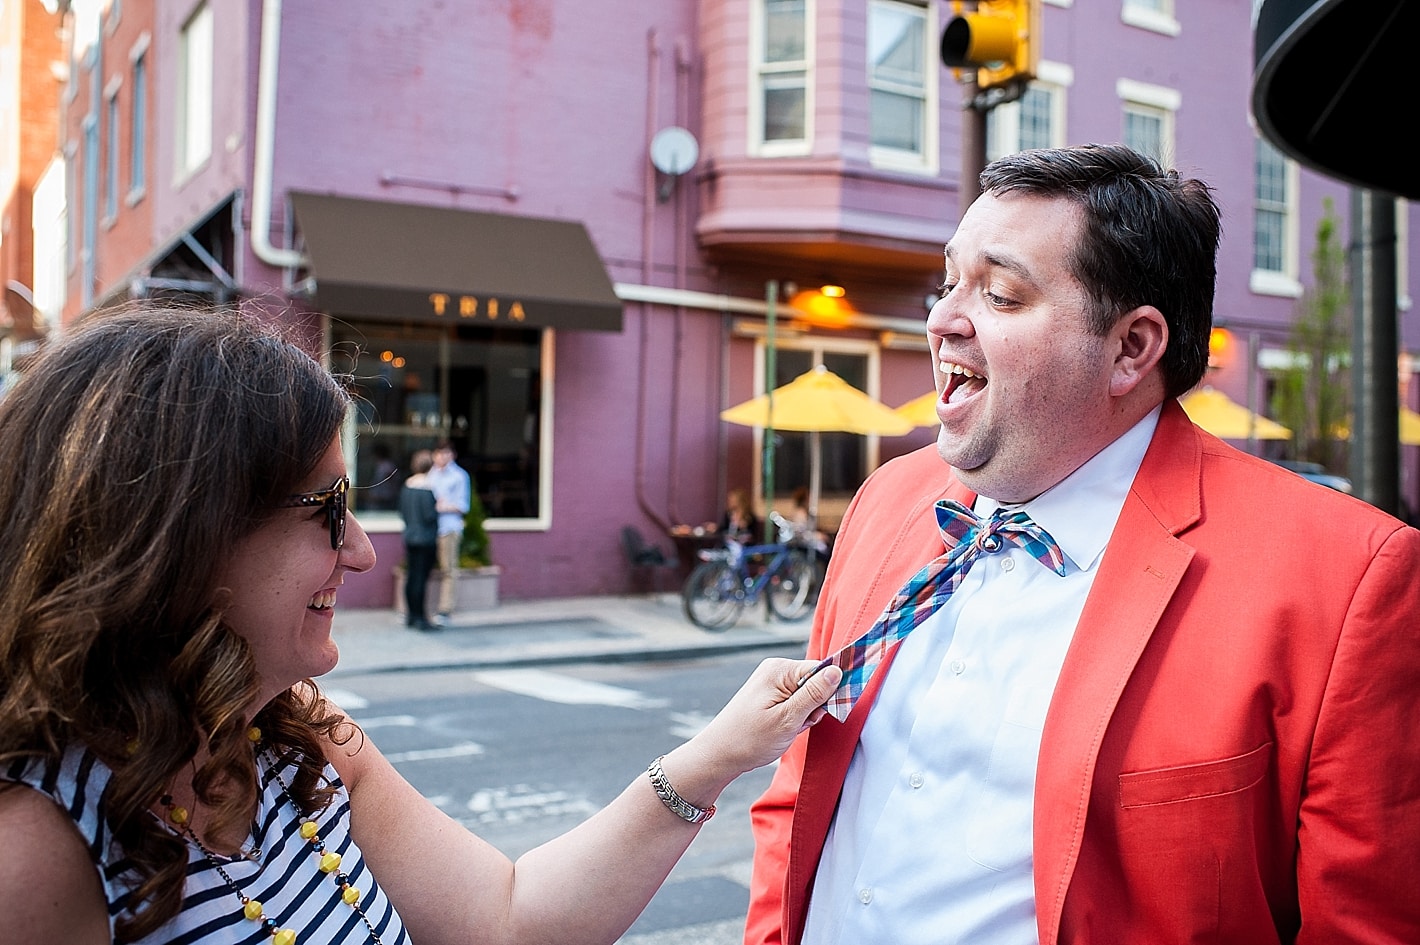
(544, 632)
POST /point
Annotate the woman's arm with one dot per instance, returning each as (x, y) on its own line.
(49, 889)
(591, 883)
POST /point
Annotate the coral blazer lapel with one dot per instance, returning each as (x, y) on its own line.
(1141, 569)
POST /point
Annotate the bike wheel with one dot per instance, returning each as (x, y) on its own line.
(711, 595)
(789, 590)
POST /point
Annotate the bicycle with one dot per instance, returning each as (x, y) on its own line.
(734, 577)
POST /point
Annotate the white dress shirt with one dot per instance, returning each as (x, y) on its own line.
(931, 841)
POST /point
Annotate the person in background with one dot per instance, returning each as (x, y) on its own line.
(384, 483)
(418, 509)
(453, 494)
(173, 538)
(1111, 680)
(739, 522)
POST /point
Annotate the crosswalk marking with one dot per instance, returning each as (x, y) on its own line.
(568, 690)
(426, 754)
(344, 698)
(688, 724)
(388, 721)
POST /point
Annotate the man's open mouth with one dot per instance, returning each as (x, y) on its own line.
(962, 382)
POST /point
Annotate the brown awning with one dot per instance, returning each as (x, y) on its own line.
(379, 259)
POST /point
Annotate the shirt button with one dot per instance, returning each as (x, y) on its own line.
(1007, 564)
(916, 780)
(865, 895)
(958, 667)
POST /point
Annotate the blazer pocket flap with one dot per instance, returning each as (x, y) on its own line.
(1190, 782)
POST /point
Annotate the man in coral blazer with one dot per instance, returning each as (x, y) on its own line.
(1231, 750)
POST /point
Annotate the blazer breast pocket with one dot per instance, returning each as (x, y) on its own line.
(1195, 781)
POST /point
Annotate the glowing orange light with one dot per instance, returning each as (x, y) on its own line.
(823, 309)
(398, 362)
(387, 356)
(833, 291)
(1218, 341)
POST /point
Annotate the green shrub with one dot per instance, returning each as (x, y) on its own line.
(474, 551)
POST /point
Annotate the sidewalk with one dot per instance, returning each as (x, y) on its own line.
(565, 630)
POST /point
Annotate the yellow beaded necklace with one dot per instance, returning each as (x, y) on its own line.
(329, 861)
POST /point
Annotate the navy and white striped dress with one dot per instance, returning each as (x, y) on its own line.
(286, 880)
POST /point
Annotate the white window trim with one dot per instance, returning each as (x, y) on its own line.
(1054, 77)
(926, 161)
(1151, 20)
(383, 521)
(138, 51)
(1160, 97)
(866, 347)
(111, 164)
(185, 166)
(758, 147)
(1286, 283)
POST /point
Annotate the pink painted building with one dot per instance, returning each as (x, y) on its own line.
(553, 230)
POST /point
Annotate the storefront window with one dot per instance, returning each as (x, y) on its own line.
(480, 387)
(844, 463)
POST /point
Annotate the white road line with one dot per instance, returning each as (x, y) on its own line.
(554, 687)
(427, 754)
(520, 803)
(388, 721)
(688, 724)
(344, 698)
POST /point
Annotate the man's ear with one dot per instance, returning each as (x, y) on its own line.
(1142, 334)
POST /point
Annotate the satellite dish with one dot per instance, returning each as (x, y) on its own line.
(674, 150)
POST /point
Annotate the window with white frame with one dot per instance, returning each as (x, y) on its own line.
(1147, 118)
(1036, 119)
(194, 98)
(138, 123)
(1274, 222)
(782, 71)
(901, 66)
(111, 139)
(487, 390)
(845, 459)
(1154, 15)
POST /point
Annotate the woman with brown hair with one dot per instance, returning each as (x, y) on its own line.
(173, 536)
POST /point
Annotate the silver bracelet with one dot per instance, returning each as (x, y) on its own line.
(674, 802)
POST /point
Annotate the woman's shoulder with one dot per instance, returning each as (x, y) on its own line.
(44, 851)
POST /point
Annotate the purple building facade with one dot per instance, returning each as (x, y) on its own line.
(477, 210)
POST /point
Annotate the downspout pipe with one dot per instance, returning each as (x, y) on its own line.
(265, 146)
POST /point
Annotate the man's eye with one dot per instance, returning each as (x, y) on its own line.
(946, 288)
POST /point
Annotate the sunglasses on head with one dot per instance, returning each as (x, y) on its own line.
(333, 500)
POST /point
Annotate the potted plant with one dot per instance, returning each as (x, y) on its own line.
(477, 580)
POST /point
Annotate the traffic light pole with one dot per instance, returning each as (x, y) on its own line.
(973, 148)
(1375, 420)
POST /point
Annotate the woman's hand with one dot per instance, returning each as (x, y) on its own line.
(770, 710)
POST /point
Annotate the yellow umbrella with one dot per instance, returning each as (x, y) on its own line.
(818, 401)
(921, 411)
(1215, 412)
(1409, 427)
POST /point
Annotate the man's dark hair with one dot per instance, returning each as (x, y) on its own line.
(1150, 237)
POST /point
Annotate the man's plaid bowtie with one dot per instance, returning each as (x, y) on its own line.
(966, 538)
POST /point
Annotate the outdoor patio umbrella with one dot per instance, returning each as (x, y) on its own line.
(921, 411)
(1409, 428)
(815, 402)
(1224, 418)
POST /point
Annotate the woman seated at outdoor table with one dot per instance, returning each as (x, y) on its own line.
(739, 521)
(173, 537)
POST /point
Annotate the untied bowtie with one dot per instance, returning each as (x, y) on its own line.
(966, 537)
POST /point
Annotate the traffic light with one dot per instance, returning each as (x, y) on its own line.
(1000, 40)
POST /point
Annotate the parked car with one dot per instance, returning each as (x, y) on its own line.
(1317, 473)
